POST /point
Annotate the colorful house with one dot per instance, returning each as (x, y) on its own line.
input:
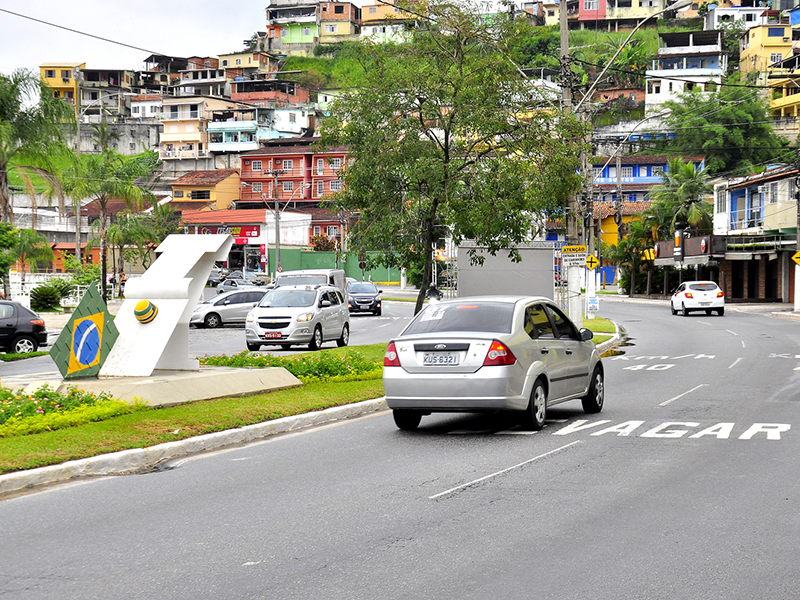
(763, 45)
(210, 190)
(63, 79)
(384, 22)
(339, 22)
(292, 27)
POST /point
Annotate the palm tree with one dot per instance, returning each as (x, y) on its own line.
(681, 195)
(103, 135)
(31, 248)
(106, 176)
(29, 134)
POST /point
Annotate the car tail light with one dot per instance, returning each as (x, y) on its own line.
(499, 355)
(390, 358)
(688, 295)
(720, 294)
(37, 322)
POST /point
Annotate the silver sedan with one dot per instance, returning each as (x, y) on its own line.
(491, 353)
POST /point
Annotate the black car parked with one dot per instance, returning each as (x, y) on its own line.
(363, 296)
(21, 329)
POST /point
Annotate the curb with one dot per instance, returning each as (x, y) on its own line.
(140, 459)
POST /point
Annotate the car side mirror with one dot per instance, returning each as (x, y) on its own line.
(586, 334)
(226, 302)
(380, 291)
(325, 303)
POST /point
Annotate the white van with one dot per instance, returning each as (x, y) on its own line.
(334, 277)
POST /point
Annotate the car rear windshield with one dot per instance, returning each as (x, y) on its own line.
(492, 317)
(363, 288)
(703, 287)
(289, 298)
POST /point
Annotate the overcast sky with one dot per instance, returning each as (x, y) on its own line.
(178, 28)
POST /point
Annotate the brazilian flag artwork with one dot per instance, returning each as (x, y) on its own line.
(85, 342)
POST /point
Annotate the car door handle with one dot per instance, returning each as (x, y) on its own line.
(568, 351)
(545, 351)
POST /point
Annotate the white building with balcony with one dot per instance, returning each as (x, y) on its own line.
(685, 60)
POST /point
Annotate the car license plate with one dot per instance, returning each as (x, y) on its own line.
(273, 335)
(440, 358)
(705, 304)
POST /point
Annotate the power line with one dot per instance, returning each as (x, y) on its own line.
(97, 37)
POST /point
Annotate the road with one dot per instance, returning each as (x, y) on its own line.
(686, 485)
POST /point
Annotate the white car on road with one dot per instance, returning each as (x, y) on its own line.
(698, 295)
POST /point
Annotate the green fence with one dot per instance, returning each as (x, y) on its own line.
(297, 259)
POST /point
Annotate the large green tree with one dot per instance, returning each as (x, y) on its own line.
(31, 130)
(731, 127)
(109, 176)
(446, 135)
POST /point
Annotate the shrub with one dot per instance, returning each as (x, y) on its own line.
(45, 297)
(63, 286)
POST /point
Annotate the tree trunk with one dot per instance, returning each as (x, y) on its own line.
(103, 262)
(6, 211)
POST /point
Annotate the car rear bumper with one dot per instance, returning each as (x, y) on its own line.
(486, 389)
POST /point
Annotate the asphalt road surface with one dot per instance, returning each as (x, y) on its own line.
(686, 486)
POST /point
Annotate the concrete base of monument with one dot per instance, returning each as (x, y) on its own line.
(168, 388)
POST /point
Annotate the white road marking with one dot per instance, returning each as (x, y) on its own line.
(682, 395)
(743, 344)
(522, 464)
(736, 361)
(732, 332)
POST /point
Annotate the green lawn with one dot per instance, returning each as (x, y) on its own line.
(159, 425)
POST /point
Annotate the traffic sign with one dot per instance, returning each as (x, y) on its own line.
(592, 262)
(573, 256)
(796, 257)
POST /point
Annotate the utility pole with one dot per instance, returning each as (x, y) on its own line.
(275, 174)
(574, 304)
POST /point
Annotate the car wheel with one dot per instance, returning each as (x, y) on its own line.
(537, 408)
(253, 347)
(684, 311)
(720, 311)
(672, 309)
(345, 339)
(407, 420)
(212, 320)
(316, 339)
(593, 400)
(24, 345)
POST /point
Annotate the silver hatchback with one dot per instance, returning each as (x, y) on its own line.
(299, 314)
(491, 353)
(227, 308)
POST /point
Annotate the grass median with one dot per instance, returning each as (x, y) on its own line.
(149, 427)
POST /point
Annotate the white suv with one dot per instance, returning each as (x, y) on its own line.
(299, 314)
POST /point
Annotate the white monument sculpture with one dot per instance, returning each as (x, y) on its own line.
(153, 321)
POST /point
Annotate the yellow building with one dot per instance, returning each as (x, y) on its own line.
(763, 45)
(339, 22)
(384, 22)
(63, 78)
(200, 190)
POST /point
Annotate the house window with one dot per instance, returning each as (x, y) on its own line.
(306, 30)
(339, 10)
(330, 28)
(257, 186)
(135, 110)
(177, 194)
(336, 185)
(749, 17)
(336, 164)
(153, 109)
(775, 31)
(284, 31)
(201, 195)
(373, 10)
(317, 230)
(288, 186)
(256, 165)
(333, 230)
(225, 62)
(551, 13)
(775, 57)
(320, 189)
(238, 61)
(773, 193)
(66, 74)
(288, 165)
(627, 172)
(50, 73)
(292, 117)
(597, 172)
(721, 197)
(658, 171)
(590, 4)
(320, 166)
